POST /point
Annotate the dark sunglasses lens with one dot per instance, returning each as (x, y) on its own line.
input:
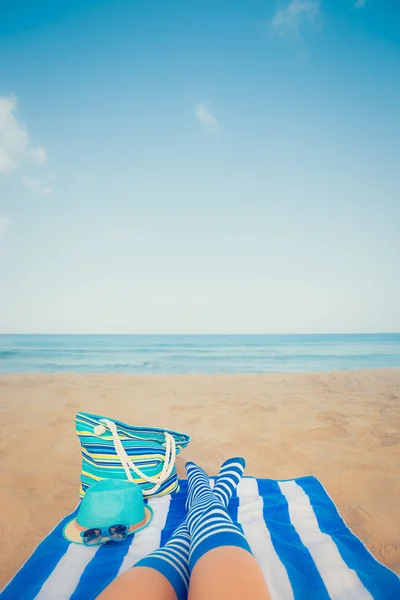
(117, 532)
(92, 536)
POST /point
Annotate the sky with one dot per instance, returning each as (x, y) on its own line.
(199, 167)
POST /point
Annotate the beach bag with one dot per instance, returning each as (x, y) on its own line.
(114, 450)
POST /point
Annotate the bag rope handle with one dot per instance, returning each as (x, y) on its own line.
(169, 460)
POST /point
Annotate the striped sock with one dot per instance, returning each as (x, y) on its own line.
(228, 478)
(208, 520)
(196, 482)
(172, 561)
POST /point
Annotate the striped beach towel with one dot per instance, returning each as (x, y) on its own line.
(303, 546)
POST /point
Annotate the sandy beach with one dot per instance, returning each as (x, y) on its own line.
(343, 427)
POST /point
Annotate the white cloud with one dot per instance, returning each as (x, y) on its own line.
(4, 225)
(359, 3)
(38, 155)
(208, 121)
(16, 147)
(6, 163)
(37, 185)
(288, 21)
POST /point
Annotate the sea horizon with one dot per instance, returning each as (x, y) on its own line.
(352, 333)
(197, 353)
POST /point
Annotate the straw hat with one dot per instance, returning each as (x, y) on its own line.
(107, 503)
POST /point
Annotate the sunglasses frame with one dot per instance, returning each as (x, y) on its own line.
(105, 532)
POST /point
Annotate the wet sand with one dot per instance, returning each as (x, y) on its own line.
(343, 427)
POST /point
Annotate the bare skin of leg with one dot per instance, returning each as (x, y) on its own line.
(227, 572)
(140, 583)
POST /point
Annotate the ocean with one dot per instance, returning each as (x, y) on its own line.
(196, 353)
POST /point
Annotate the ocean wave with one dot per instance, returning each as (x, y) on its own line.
(90, 367)
(8, 354)
(197, 354)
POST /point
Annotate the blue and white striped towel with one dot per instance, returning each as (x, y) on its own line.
(303, 546)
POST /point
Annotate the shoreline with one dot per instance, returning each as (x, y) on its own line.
(341, 426)
(5, 374)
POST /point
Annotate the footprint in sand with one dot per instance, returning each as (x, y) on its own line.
(269, 409)
(379, 434)
(327, 433)
(254, 409)
(193, 421)
(61, 420)
(332, 418)
(388, 552)
(71, 405)
(192, 407)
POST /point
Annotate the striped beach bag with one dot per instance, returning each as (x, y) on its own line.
(114, 450)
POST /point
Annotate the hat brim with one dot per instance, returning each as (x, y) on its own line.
(72, 531)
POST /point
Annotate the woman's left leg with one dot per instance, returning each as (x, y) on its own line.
(141, 583)
(165, 572)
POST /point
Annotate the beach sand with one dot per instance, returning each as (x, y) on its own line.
(343, 427)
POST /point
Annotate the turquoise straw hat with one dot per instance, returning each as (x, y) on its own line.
(108, 503)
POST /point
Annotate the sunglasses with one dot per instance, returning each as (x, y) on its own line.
(116, 533)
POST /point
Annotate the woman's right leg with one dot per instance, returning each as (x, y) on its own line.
(227, 572)
(220, 560)
(141, 583)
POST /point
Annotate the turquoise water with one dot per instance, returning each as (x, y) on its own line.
(196, 353)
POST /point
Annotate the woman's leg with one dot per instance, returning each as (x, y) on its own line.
(227, 572)
(141, 583)
(163, 574)
(220, 560)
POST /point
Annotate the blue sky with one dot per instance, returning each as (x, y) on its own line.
(203, 166)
